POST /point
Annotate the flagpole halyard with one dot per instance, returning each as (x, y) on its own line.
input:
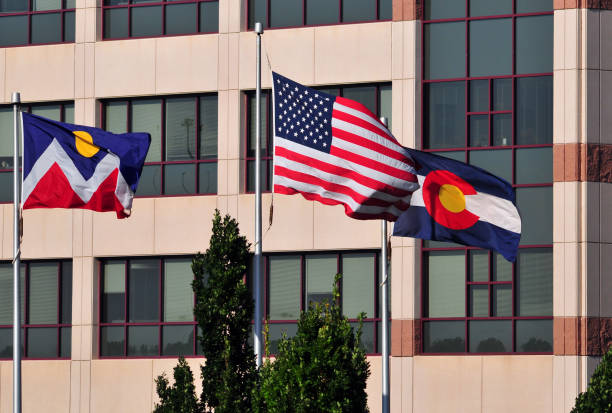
(257, 261)
(16, 100)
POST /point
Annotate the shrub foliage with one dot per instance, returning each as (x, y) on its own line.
(598, 396)
(321, 369)
(181, 396)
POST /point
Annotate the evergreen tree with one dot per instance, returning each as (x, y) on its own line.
(224, 310)
(321, 369)
(180, 397)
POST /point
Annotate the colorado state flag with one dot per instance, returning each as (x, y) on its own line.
(461, 203)
(72, 166)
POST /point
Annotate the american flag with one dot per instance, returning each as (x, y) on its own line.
(335, 151)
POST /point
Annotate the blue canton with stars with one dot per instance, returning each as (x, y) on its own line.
(303, 115)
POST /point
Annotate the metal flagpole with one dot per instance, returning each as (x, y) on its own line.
(258, 267)
(16, 100)
(385, 313)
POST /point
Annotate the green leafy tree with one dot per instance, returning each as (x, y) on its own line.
(321, 369)
(181, 396)
(598, 396)
(224, 310)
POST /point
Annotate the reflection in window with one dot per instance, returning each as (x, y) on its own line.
(188, 164)
(159, 299)
(135, 18)
(46, 309)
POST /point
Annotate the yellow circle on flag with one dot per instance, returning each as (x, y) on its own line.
(84, 144)
(452, 198)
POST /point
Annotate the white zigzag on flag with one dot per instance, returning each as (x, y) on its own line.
(55, 154)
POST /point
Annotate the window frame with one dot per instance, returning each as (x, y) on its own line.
(63, 10)
(162, 3)
(375, 321)
(163, 163)
(159, 324)
(467, 150)
(266, 25)
(58, 326)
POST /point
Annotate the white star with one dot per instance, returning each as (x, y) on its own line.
(296, 89)
(324, 120)
(324, 144)
(324, 109)
(291, 126)
(325, 133)
(320, 114)
(280, 129)
(310, 99)
(301, 96)
(285, 100)
(294, 115)
(286, 85)
(280, 104)
(280, 93)
(305, 138)
(306, 92)
(277, 80)
(298, 123)
(310, 133)
(321, 102)
(285, 112)
(302, 130)
(315, 106)
(307, 126)
(295, 134)
(280, 117)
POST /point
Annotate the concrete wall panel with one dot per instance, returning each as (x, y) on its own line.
(40, 73)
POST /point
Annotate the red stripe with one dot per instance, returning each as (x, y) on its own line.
(366, 143)
(280, 189)
(337, 170)
(354, 120)
(337, 188)
(371, 163)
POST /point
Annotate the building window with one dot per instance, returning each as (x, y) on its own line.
(182, 158)
(46, 309)
(293, 281)
(294, 13)
(24, 22)
(146, 308)
(487, 101)
(62, 112)
(376, 97)
(149, 18)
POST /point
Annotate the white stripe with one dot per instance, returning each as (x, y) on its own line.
(369, 135)
(494, 210)
(347, 200)
(340, 180)
(55, 154)
(489, 208)
(372, 154)
(334, 160)
(341, 108)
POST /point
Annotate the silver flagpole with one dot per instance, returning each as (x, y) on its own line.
(16, 100)
(385, 313)
(258, 319)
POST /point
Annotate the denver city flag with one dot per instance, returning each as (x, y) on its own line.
(73, 166)
(461, 203)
